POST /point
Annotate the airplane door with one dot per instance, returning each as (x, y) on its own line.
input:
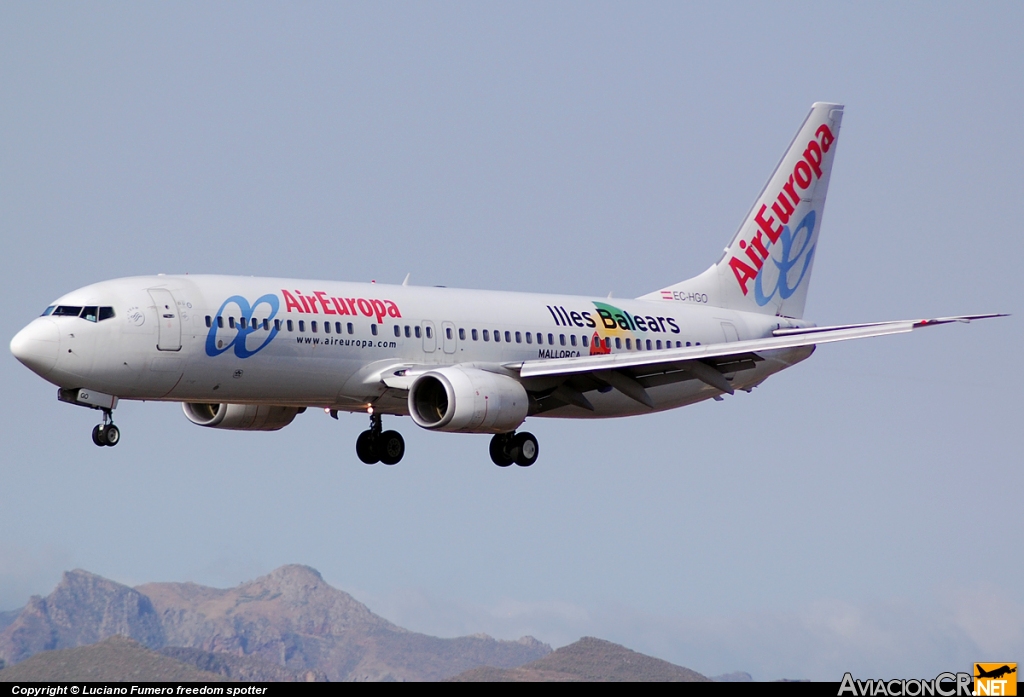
(448, 340)
(429, 337)
(168, 321)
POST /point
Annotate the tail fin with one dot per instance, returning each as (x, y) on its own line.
(767, 266)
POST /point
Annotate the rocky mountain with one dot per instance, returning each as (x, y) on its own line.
(83, 609)
(290, 618)
(115, 659)
(588, 660)
(239, 668)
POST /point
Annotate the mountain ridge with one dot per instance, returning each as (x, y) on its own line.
(290, 618)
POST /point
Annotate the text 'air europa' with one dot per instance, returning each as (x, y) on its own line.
(368, 307)
(770, 224)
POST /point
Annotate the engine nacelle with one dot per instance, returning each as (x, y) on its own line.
(467, 400)
(240, 417)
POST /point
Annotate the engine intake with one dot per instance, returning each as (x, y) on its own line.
(467, 400)
(240, 417)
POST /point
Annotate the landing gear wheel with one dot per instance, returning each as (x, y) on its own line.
(390, 447)
(97, 436)
(499, 453)
(525, 447)
(111, 435)
(366, 448)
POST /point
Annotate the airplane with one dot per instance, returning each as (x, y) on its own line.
(251, 354)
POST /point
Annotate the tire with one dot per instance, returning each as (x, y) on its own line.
(526, 449)
(390, 447)
(366, 448)
(97, 436)
(499, 455)
(111, 435)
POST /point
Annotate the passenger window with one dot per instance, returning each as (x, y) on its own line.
(540, 338)
(648, 344)
(337, 327)
(350, 328)
(508, 337)
(497, 336)
(585, 342)
(618, 342)
(302, 325)
(448, 333)
(373, 329)
(277, 325)
(209, 323)
(327, 327)
(519, 337)
(659, 344)
(572, 339)
(687, 343)
(430, 332)
(312, 326)
(628, 344)
(487, 335)
(242, 323)
(220, 322)
(474, 334)
(398, 331)
(551, 339)
(529, 338)
(416, 330)
(462, 334)
(231, 322)
(561, 339)
(407, 332)
(291, 327)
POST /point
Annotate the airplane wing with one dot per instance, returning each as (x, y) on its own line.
(631, 373)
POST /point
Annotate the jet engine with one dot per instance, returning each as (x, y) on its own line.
(241, 417)
(467, 400)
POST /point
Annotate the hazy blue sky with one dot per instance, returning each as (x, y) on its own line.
(854, 513)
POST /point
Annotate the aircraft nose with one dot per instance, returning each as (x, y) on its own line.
(37, 345)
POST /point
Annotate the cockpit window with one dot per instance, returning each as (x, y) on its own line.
(48, 310)
(91, 313)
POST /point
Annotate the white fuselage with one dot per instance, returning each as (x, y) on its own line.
(227, 339)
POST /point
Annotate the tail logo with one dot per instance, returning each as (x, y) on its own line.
(789, 261)
(772, 226)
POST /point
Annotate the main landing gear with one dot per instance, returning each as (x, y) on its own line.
(374, 445)
(106, 433)
(520, 448)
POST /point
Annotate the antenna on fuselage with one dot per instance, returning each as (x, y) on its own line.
(406, 281)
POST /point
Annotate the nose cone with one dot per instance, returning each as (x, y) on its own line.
(37, 345)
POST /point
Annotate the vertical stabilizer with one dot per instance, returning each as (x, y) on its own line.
(767, 265)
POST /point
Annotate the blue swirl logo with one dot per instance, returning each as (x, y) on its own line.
(243, 329)
(789, 260)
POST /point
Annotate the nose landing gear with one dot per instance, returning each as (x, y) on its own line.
(375, 445)
(520, 448)
(106, 433)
